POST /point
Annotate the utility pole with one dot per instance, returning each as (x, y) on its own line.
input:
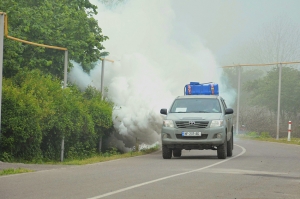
(1, 60)
(101, 89)
(278, 104)
(238, 101)
(102, 77)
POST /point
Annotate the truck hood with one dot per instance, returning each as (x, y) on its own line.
(194, 116)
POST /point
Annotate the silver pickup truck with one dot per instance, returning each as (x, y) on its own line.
(197, 122)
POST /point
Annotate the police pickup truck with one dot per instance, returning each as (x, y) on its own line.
(199, 120)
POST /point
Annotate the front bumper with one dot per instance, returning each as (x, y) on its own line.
(173, 139)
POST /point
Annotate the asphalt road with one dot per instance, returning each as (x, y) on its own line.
(256, 170)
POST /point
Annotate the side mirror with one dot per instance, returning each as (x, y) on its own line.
(163, 111)
(228, 111)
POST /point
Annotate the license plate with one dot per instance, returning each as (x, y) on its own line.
(191, 133)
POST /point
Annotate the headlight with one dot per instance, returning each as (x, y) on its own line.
(216, 123)
(168, 123)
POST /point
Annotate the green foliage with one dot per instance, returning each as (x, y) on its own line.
(111, 152)
(80, 151)
(14, 171)
(252, 134)
(264, 91)
(100, 111)
(258, 135)
(6, 157)
(38, 113)
(21, 130)
(264, 135)
(231, 74)
(63, 23)
(270, 139)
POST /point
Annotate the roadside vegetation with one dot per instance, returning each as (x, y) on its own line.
(112, 154)
(265, 136)
(37, 113)
(14, 171)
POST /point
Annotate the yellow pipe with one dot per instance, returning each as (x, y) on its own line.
(36, 44)
(107, 60)
(24, 41)
(295, 62)
(5, 23)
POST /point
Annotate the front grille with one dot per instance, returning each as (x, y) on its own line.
(202, 137)
(186, 124)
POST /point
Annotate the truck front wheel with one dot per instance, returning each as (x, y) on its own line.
(222, 150)
(166, 152)
(230, 146)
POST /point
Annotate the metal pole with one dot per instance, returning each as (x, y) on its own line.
(62, 150)
(289, 131)
(278, 108)
(100, 144)
(238, 101)
(102, 77)
(1, 62)
(66, 69)
(65, 86)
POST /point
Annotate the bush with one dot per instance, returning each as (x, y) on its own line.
(252, 134)
(38, 113)
(265, 135)
(21, 117)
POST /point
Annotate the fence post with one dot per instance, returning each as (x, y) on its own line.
(289, 131)
(2, 15)
(137, 144)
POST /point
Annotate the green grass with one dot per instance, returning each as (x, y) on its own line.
(105, 157)
(264, 136)
(14, 171)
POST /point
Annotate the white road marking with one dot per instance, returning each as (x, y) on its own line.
(168, 177)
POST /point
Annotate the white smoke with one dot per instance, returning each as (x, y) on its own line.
(150, 67)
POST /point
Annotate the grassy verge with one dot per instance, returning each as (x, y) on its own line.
(113, 155)
(14, 171)
(264, 136)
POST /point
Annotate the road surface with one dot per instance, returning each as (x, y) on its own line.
(256, 170)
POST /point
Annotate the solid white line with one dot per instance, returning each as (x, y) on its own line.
(167, 177)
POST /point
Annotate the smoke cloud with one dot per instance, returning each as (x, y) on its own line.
(150, 67)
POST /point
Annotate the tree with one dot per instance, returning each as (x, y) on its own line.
(277, 41)
(64, 23)
(264, 91)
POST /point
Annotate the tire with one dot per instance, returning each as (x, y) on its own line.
(177, 153)
(230, 146)
(166, 152)
(222, 150)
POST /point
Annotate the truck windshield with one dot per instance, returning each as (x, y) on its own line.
(196, 105)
